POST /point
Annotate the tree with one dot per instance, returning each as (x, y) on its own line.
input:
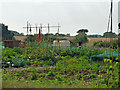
(94, 35)
(44, 38)
(81, 36)
(82, 31)
(22, 34)
(49, 34)
(15, 33)
(68, 34)
(62, 35)
(6, 34)
(109, 34)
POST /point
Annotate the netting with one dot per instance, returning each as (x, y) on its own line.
(2, 46)
(106, 54)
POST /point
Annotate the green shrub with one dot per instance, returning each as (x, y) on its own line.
(51, 74)
(113, 43)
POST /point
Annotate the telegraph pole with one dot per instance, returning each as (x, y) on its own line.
(41, 27)
(48, 28)
(36, 28)
(30, 28)
(111, 13)
(27, 27)
(58, 28)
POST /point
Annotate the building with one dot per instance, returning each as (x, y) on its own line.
(5, 33)
(7, 37)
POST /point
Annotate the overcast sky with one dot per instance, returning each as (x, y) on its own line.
(72, 15)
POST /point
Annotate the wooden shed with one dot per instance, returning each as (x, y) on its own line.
(12, 43)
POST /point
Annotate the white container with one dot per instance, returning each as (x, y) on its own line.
(61, 43)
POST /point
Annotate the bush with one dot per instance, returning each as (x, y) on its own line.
(80, 36)
(106, 44)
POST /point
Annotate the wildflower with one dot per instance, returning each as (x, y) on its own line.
(12, 64)
(8, 62)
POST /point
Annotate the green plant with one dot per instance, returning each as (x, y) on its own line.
(34, 76)
(112, 74)
(79, 76)
(51, 74)
(81, 36)
(43, 75)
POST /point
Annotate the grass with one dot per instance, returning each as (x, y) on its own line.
(0, 79)
(48, 84)
(0, 83)
(16, 84)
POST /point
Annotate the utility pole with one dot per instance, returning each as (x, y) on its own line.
(30, 28)
(111, 13)
(41, 27)
(48, 28)
(58, 28)
(53, 27)
(36, 28)
(27, 27)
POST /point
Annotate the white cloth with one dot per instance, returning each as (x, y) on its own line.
(79, 46)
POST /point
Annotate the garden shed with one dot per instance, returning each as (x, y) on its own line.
(61, 43)
(12, 43)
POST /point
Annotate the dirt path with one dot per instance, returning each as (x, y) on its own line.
(21, 68)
